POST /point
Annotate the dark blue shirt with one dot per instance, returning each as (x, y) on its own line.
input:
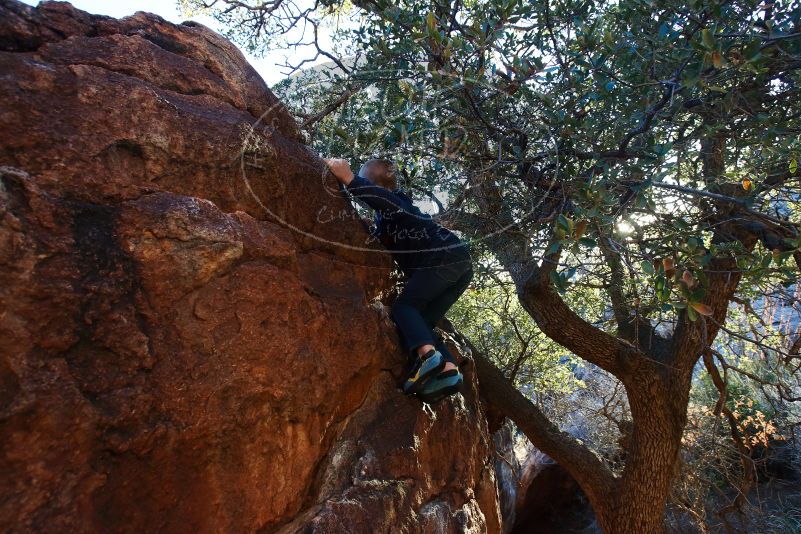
(412, 236)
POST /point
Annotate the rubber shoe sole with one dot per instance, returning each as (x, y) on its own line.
(428, 368)
(441, 386)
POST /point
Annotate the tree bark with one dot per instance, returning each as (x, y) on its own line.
(658, 408)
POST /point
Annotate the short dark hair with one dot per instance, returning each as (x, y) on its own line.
(381, 172)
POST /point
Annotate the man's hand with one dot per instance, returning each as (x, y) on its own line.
(340, 168)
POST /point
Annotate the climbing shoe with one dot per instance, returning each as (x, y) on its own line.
(444, 384)
(424, 368)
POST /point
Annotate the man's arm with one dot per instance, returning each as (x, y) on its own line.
(377, 197)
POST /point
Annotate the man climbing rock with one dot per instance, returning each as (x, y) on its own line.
(437, 266)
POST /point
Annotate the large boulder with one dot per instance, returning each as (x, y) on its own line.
(189, 339)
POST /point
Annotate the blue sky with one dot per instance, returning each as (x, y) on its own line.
(266, 66)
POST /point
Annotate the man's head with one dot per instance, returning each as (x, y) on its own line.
(381, 172)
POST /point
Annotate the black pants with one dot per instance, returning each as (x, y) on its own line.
(427, 296)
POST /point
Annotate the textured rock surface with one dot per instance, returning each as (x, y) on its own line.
(535, 493)
(507, 473)
(186, 336)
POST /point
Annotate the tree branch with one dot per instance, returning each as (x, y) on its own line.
(328, 109)
(595, 479)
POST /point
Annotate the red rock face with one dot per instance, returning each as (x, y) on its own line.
(186, 337)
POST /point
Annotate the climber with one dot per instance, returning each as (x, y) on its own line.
(437, 266)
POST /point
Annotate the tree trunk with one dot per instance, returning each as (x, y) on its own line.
(659, 413)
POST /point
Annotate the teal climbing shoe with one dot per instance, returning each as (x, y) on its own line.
(444, 384)
(424, 368)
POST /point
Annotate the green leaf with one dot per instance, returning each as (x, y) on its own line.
(664, 294)
(708, 39)
(692, 314)
(647, 266)
(793, 166)
(697, 294)
(431, 22)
